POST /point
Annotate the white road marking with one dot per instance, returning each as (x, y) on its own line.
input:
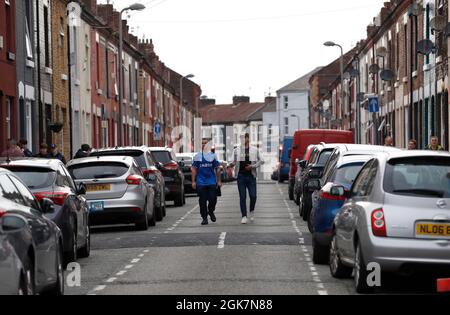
(135, 261)
(121, 273)
(222, 240)
(141, 255)
(99, 288)
(322, 292)
(146, 251)
(320, 286)
(111, 280)
(129, 266)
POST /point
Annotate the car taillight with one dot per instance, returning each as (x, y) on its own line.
(57, 198)
(150, 172)
(134, 180)
(2, 213)
(171, 166)
(379, 223)
(328, 196)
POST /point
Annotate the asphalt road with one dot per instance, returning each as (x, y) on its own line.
(271, 256)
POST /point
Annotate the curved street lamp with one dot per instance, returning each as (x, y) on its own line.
(333, 44)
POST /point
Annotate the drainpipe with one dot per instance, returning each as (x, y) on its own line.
(38, 48)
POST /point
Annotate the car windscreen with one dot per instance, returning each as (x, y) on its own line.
(162, 156)
(346, 174)
(137, 155)
(324, 157)
(34, 177)
(98, 170)
(427, 176)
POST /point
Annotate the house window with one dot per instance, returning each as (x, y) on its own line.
(29, 47)
(47, 37)
(286, 102)
(286, 125)
(9, 31)
(406, 50)
(61, 32)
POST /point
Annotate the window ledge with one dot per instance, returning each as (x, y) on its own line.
(439, 59)
(415, 74)
(64, 77)
(30, 64)
(405, 80)
(48, 70)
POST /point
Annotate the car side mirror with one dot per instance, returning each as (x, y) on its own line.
(302, 164)
(315, 174)
(12, 224)
(82, 189)
(47, 206)
(338, 191)
(314, 184)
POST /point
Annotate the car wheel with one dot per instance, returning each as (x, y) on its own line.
(27, 281)
(337, 268)
(58, 287)
(179, 200)
(164, 208)
(142, 224)
(184, 198)
(71, 256)
(360, 272)
(320, 254)
(152, 220)
(291, 192)
(85, 251)
(311, 223)
(297, 199)
(159, 212)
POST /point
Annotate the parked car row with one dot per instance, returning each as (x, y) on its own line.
(47, 208)
(370, 204)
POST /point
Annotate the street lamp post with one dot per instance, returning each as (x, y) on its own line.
(341, 92)
(298, 120)
(133, 7)
(189, 76)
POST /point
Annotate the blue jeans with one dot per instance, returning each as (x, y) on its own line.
(208, 200)
(247, 182)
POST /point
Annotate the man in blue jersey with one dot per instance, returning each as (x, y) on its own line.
(205, 180)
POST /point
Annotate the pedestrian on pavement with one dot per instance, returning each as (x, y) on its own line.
(43, 151)
(434, 144)
(83, 152)
(206, 180)
(55, 154)
(246, 161)
(23, 144)
(12, 150)
(388, 141)
(412, 145)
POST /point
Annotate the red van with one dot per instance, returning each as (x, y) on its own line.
(305, 138)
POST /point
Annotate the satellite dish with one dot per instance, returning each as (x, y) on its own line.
(387, 75)
(382, 52)
(438, 23)
(425, 47)
(374, 69)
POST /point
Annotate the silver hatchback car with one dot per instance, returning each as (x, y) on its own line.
(116, 190)
(397, 216)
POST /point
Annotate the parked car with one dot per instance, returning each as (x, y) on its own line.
(397, 215)
(327, 202)
(49, 178)
(173, 174)
(284, 159)
(149, 168)
(31, 245)
(116, 190)
(301, 166)
(337, 154)
(303, 139)
(186, 160)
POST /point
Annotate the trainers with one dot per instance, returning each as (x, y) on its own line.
(252, 216)
(244, 220)
(212, 216)
(205, 222)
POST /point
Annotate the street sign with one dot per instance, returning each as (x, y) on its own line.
(374, 104)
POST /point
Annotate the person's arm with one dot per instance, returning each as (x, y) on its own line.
(194, 177)
(259, 162)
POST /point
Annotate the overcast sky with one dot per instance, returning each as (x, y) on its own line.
(249, 47)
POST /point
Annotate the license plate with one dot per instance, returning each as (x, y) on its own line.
(433, 230)
(96, 206)
(98, 187)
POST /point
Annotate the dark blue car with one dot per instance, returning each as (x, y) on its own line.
(329, 199)
(285, 150)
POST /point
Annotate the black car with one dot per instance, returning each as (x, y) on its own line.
(49, 178)
(31, 245)
(173, 174)
(149, 168)
(319, 157)
(186, 160)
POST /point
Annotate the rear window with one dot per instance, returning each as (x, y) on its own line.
(185, 159)
(137, 155)
(324, 157)
(346, 175)
(98, 170)
(162, 156)
(419, 176)
(34, 177)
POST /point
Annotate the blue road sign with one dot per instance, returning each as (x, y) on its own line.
(157, 131)
(374, 104)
